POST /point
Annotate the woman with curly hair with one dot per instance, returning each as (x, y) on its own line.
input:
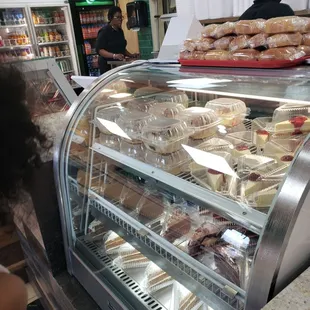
(21, 145)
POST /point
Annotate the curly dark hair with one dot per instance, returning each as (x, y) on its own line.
(112, 11)
(21, 139)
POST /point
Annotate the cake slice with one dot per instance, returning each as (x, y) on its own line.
(156, 278)
(215, 179)
(132, 260)
(240, 150)
(113, 242)
(253, 184)
(189, 302)
(265, 197)
(294, 126)
(261, 137)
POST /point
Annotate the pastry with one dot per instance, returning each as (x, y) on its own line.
(294, 126)
(239, 43)
(146, 91)
(253, 162)
(306, 39)
(205, 44)
(223, 30)
(113, 242)
(240, 150)
(189, 302)
(133, 260)
(178, 225)
(250, 26)
(286, 24)
(265, 197)
(209, 30)
(253, 183)
(155, 278)
(199, 55)
(167, 109)
(141, 104)
(215, 179)
(259, 40)
(223, 43)
(261, 137)
(176, 96)
(217, 55)
(186, 55)
(245, 54)
(281, 53)
(190, 45)
(284, 39)
(305, 49)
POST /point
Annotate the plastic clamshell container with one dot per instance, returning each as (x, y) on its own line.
(216, 145)
(146, 91)
(261, 133)
(287, 111)
(111, 141)
(133, 123)
(167, 109)
(173, 96)
(111, 114)
(231, 111)
(165, 135)
(141, 104)
(202, 121)
(174, 163)
(132, 260)
(134, 150)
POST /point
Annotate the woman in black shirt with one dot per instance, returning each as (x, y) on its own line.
(111, 43)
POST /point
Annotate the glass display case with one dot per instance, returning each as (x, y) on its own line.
(186, 188)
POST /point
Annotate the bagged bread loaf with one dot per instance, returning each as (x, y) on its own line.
(198, 55)
(286, 24)
(306, 39)
(205, 44)
(223, 30)
(186, 55)
(208, 30)
(190, 45)
(281, 53)
(258, 40)
(305, 49)
(245, 54)
(284, 39)
(239, 42)
(223, 43)
(250, 26)
(217, 55)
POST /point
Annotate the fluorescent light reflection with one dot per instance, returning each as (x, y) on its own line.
(121, 96)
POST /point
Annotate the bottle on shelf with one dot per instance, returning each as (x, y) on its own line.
(46, 36)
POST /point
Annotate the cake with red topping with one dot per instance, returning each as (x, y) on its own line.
(215, 179)
(294, 126)
(240, 150)
(261, 137)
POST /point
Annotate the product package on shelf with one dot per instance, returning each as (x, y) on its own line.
(131, 260)
(111, 243)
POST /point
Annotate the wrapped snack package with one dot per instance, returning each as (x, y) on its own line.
(286, 24)
(239, 42)
(284, 39)
(245, 54)
(223, 30)
(190, 45)
(217, 55)
(281, 53)
(132, 260)
(155, 279)
(306, 39)
(305, 49)
(250, 26)
(186, 55)
(205, 44)
(208, 30)
(223, 43)
(258, 40)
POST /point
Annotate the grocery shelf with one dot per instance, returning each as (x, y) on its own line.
(63, 57)
(13, 26)
(49, 25)
(116, 276)
(202, 281)
(53, 43)
(15, 47)
(246, 217)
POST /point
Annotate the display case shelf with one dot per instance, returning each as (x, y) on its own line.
(203, 282)
(13, 26)
(15, 47)
(53, 43)
(49, 25)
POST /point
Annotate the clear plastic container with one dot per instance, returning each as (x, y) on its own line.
(202, 121)
(167, 109)
(151, 205)
(130, 196)
(243, 143)
(111, 114)
(133, 123)
(174, 163)
(165, 135)
(146, 91)
(231, 111)
(134, 150)
(287, 111)
(141, 104)
(216, 145)
(112, 187)
(111, 141)
(112, 242)
(132, 260)
(173, 96)
(261, 133)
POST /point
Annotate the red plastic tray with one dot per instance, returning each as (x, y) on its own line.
(244, 63)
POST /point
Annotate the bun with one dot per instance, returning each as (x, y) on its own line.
(287, 39)
(198, 55)
(205, 44)
(217, 55)
(306, 39)
(190, 45)
(258, 40)
(286, 24)
(208, 30)
(223, 43)
(250, 26)
(186, 55)
(239, 42)
(305, 49)
(223, 30)
(282, 53)
(245, 54)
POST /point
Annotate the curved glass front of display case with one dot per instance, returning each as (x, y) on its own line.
(184, 164)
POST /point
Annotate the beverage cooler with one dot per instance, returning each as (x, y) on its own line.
(187, 188)
(38, 30)
(88, 18)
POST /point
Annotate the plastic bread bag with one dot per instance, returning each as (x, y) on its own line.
(199, 55)
(223, 43)
(245, 54)
(306, 39)
(239, 42)
(190, 45)
(250, 26)
(286, 24)
(155, 279)
(131, 260)
(223, 30)
(217, 55)
(284, 39)
(305, 49)
(111, 243)
(205, 44)
(281, 53)
(209, 30)
(259, 40)
(186, 55)
(183, 299)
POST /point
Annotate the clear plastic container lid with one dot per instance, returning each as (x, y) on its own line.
(225, 107)
(133, 122)
(287, 111)
(174, 163)
(141, 104)
(111, 114)
(167, 109)
(173, 96)
(134, 150)
(165, 135)
(216, 145)
(146, 91)
(243, 143)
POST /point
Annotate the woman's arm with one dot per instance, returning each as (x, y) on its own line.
(104, 53)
